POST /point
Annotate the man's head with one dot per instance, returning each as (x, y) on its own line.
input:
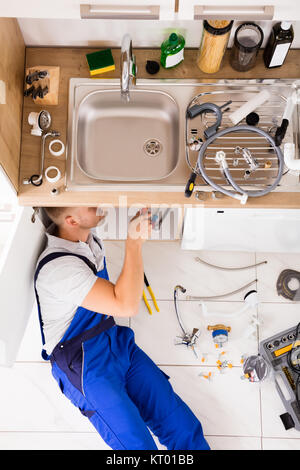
(75, 217)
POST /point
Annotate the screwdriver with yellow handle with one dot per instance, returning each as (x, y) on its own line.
(152, 296)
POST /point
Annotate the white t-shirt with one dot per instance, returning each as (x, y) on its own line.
(64, 282)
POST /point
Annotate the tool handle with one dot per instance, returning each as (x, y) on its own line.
(147, 303)
(190, 185)
(153, 298)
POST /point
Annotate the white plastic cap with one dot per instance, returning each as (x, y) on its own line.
(285, 25)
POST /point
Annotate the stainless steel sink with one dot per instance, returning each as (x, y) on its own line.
(127, 141)
(141, 145)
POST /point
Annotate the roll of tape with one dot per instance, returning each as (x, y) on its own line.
(52, 179)
(59, 152)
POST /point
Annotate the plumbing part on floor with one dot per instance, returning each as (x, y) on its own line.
(223, 362)
(223, 268)
(286, 278)
(188, 339)
(282, 353)
(250, 303)
(219, 334)
(206, 375)
(220, 296)
(255, 368)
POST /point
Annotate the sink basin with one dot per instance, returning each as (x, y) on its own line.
(141, 145)
(127, 141)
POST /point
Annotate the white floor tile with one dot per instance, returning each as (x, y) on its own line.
(234, 443)
(157, 333)
(34, 402)
(225, 406)
(51, 441)
(281, 444)
(267, 274)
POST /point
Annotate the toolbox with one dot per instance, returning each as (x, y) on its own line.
(282, 353)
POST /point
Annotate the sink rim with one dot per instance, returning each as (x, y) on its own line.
(134, 91)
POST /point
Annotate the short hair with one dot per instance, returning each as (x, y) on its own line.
(55, 213)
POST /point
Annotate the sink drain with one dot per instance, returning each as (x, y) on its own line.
(152, 147)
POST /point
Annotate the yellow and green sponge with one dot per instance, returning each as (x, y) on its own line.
(100, 62)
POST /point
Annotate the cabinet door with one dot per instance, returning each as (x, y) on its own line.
(167, 223)
(239, 10)
(71, 9)
(252, 230)
(18, 257)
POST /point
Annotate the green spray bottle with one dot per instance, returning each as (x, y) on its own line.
(172, 51)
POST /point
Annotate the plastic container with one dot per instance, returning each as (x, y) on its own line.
(278, 44)
(172, 51)
(248, 39)
(213, 45)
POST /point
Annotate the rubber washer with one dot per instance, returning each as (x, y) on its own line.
(252, 119)
(152, 67)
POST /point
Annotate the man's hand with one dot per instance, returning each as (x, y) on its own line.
(139, 227)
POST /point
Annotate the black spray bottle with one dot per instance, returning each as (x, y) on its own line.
(278, 44)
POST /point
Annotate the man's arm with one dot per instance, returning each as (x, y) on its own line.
(122, 299)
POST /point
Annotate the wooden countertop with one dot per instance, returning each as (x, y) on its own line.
(72, 63)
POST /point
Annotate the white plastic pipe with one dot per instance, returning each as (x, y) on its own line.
(248, 107)
(290, 161)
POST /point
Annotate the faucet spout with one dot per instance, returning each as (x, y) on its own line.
(128, 67)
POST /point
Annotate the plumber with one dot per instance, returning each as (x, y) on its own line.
(96, 363)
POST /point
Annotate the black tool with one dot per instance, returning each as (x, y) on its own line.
(29, 91)
(280, 132)
(190, 185)
(36, 92)
(36, 76)
(43, 92)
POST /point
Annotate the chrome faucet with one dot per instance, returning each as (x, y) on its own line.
(128, 67)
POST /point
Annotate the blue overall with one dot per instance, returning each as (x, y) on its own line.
(102, 371)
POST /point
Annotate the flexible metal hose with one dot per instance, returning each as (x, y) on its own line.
(194, 297)
(238, 189)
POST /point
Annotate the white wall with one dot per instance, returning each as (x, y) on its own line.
(94, 33)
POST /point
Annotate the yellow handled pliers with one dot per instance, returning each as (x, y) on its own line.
(152, 296)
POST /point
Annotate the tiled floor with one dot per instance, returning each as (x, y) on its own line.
(235, 414)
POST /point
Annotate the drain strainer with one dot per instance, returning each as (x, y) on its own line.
(152, 147)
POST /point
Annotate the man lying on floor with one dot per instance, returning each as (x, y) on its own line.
(97, 363)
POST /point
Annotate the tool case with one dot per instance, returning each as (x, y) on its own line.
(275, 351)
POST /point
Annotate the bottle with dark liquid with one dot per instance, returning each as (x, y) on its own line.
(278, 44)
